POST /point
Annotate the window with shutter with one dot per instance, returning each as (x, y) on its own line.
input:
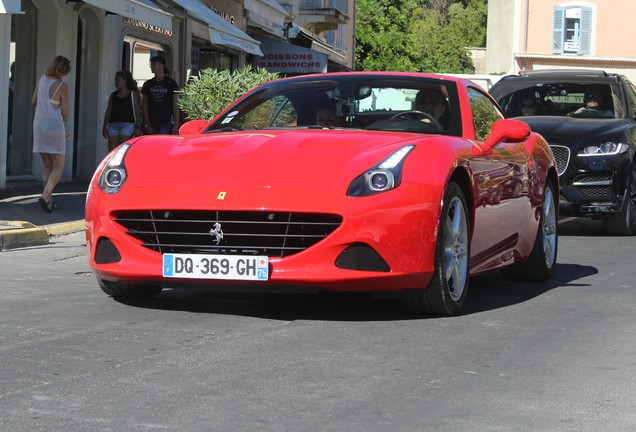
(572, 29)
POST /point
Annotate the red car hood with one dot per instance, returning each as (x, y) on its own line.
(311, 158)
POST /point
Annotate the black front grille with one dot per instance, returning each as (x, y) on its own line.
(274, 234)
(604, 191)
(594, 185)
(561, 157)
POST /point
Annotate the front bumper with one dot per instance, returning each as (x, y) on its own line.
(399, 226)
(593, 185)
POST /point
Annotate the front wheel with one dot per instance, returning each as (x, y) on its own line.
(124, 290)
(447, 290)
(542, 259)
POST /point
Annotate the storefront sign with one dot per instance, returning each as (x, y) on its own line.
(146, 26)
(286, 58)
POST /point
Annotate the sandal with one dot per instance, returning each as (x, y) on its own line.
(45, 205)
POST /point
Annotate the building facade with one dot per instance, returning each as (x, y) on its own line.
(554, 34)
(104, 36)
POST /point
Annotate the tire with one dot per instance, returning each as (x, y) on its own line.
(447, 290)
(124, 290)
(624, 222)
(542, 260)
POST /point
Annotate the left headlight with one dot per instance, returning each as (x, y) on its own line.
(114, 173)
(385, 176)
(605, 149)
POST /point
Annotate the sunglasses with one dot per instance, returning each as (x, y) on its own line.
(528, 106)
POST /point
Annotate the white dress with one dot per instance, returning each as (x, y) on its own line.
(48, 125)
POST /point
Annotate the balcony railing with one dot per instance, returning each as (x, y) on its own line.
(341, 5)
(322, 15)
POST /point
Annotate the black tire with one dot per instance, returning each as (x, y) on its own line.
(124, 290)
(624, 222)
(447, 290)
(542, 261)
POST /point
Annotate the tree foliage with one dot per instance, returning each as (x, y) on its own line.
(429, 35)
(206, 95)
(384, 35)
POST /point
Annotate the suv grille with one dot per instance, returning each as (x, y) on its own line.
(275, 234)
(595, 185)
(561, 157)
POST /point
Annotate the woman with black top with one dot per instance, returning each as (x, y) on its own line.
(123, 118)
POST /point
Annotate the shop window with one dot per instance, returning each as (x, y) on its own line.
(572, 29)
(136, 58)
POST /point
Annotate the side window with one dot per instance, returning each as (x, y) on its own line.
(485, 113)
(572, 29)
(631, 95)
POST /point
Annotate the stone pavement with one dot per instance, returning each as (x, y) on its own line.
(23, 223)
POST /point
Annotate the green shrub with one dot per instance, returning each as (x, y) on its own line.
(206, 95)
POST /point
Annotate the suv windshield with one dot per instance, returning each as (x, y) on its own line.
(582, 99)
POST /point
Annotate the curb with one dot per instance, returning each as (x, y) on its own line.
(24, 234)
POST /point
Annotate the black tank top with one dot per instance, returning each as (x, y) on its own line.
(122, 109)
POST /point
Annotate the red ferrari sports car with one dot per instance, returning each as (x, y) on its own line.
(370, 181)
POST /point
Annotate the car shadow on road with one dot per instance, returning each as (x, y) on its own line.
(486, 293)
(493, 291)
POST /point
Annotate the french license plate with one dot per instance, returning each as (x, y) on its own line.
(231, 267)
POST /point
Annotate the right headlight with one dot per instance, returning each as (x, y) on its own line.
(603, 149)
(385, 176)
(114, 174)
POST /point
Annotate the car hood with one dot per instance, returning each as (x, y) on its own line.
(313, 158)
(577, 132)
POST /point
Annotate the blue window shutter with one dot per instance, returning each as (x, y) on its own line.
(585, 41)
(558, 29)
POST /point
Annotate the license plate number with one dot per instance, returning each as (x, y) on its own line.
(230, 267)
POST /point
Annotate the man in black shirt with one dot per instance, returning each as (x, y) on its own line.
(160, 109)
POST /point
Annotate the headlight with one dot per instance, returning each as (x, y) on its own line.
(604, 149)
(114, 175)
(382, 177)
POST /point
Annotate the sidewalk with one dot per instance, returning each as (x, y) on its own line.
(23, 223)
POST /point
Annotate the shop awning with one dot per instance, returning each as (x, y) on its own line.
(10, 7)
(141, 10)
(221, 32)
(290, 59)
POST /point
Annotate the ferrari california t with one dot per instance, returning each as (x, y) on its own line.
(373, 181)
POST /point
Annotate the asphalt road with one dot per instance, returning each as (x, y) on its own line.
(559, 356)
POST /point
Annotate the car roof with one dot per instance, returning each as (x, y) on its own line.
(552, 76)
(556, 75)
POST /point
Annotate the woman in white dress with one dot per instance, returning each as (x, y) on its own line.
(51, 101)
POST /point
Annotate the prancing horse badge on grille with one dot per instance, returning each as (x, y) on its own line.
(217, 233)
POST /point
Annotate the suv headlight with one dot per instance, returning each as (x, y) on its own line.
(385, 176)
(604, 149)
(114, 174)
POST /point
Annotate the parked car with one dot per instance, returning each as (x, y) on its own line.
(399, 182)
(588, 118)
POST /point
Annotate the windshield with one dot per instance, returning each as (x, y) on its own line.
(403, 104)
(574, 99)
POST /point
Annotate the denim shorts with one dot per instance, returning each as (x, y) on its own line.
(164, 128)
(121, 128)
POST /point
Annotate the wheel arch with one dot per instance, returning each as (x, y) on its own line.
(461, 176)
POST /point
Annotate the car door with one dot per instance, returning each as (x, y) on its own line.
(500, 190)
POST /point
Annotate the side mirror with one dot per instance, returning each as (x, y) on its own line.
(502, 130)
(193, 127)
